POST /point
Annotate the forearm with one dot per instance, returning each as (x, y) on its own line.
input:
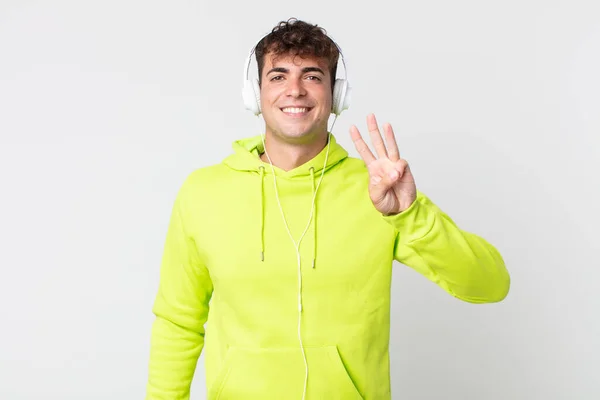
(174, 353)
(177, 337)
(462, 263)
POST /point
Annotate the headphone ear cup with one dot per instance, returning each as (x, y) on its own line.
(251, 96)
(341, 96)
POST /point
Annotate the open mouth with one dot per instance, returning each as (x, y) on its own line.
(296, 111)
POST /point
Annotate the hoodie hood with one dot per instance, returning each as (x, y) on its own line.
(246, 158)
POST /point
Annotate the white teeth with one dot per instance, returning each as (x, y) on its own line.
(294, 110)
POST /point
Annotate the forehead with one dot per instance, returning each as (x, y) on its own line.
(292, 60)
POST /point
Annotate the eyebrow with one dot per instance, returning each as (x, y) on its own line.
(304, 70)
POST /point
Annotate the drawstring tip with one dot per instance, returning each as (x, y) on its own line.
(262, 256)
(313, 265)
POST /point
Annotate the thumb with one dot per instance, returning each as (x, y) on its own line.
(380, 185)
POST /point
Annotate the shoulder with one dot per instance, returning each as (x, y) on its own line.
(355, 165)
(354, 169)
(197, 183)
(206, 175)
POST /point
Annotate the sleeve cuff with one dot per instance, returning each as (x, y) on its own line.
(414, 222)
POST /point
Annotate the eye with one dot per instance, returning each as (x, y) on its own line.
(276, 78)
(314, 77)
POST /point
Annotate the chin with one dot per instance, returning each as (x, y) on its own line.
(297, 134)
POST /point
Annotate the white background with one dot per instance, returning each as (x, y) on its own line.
(105, 107)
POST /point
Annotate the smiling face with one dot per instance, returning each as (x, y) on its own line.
(296, 97)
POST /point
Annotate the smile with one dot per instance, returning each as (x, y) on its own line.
(296, 111)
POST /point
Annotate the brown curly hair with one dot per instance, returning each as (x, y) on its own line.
(298, 38)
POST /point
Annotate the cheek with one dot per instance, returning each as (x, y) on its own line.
(327, 97)
(269, 97)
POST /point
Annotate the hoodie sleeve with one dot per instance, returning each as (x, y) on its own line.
(181, 310)
(462, 263)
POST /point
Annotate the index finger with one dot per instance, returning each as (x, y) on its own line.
(361, 146)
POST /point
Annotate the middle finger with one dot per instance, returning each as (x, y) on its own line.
(376, 138)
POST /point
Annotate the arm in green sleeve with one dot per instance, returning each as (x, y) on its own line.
(181, 309)
(462, 263)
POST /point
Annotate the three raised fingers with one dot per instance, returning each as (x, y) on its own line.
(390, 151)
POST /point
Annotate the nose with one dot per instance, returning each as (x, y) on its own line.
(295, 88)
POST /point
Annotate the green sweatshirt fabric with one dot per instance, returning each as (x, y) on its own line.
(229, 282)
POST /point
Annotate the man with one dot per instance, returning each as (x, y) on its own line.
(291, 242)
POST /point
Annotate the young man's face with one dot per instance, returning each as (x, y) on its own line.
(296, 97)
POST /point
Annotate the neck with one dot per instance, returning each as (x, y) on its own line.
(288, 156)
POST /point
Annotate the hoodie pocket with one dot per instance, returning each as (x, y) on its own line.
(250, 373)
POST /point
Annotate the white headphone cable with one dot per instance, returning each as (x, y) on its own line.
(297, 244)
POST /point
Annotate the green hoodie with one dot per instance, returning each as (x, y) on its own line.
(227, 249)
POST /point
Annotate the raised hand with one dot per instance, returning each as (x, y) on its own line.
(392, 186)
